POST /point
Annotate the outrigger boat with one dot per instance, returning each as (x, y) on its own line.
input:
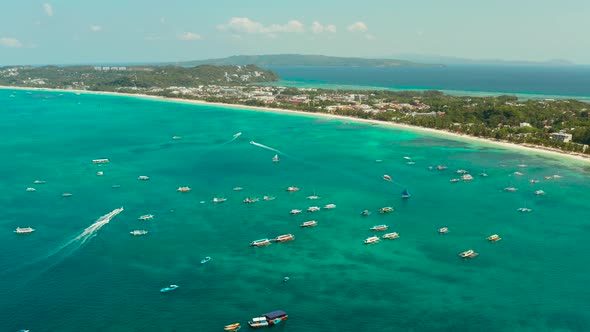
(391, 236)
(379, 228)
(183, 189)
(310, 223)
(260, 243)
(24, 230)
(232, 327)
(313, 209)
(143, 177)
(406, 194)
(205, 260)
(269, 319)
(371, 240)
(169, 288)
(284, 238)
(329, 206)
(295, 211)
(494, 238)
(292, 189)
(386, 209)
(468, 254)
(138, 232)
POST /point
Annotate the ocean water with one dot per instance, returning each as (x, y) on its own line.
(534, 279)
(524, 81)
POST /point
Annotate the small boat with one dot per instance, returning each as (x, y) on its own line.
(483, 174)
(238, 188)
(292, 189)
(310, 223)
(24, 230)
(313, 209)
(461, 171)
(176, 137)
(313, 197)
(443, 230)
(518, 173)
(524, 209)
(406, 194)
(271, 318)
(557, 176)
(285, 279)
(430, 168)
(205, 260)
(284, 238)
(441, 167)
(260, 243)
(539, 192)
(295, 211)
(146, 217)
(510, 189)
(366, 213)
(329, 206)
(494, 238)
(275, 159)
(371, 240)
(31, 189)
(232, 327)
(386, 177)
(268, 198)
(138, 232)
(169, 288)
(386, 209)
(100, 161)
(39, 182)
(454, 180)
(390, 236)
(219, 200)
(183, 189)
(468, 254)
(379, 228)
(116, 186)
(100, 173)
(407, 158)
(533, 181)
(66, 195)
(236, 135)
(249, 200)
(467, 177)
(143, 178)
(378, 160)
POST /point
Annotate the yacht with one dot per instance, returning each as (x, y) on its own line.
(366, 213)
(139, 232)
(100, 173)
(268, 198)
(371, 240)
(219, 200)
(386, 209)
(143, 177)
(379, 228)
(468, 254)
(260, 243)
(183, 189)
(390, 236)
(295, 211)
(329, 206)
(169, 288)
(467, 177)
(284, 238)
(292, 189)
(146, 217)
(310, 223)
(313, 197)
(24, 230)
(443, 230)
(39, 182)
(510, 189)
(386, 177)
(539, 192)
(31, 189)
(494, 238)
(275, 159)
(313, 209)
(100, 161)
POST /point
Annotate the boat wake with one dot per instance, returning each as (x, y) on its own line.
(235, 137)
(269, 148)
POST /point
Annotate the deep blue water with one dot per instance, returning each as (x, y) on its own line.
(536, 80)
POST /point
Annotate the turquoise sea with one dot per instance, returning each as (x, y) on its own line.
(534, 279)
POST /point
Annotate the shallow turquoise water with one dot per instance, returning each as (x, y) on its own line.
(535, 279)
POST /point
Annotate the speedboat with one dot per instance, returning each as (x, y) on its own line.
(292, 189)
(138, 232)
(329, 206)
(379, 228)
(510, 189)
(219, 200)
(205, 260)
(468, 254)
(386, 209)
(268, 198)
(494, 238)
(366, 213)
(31, 189)
(183, 189)
(406, 194)
(100, 173)
(284, 238)
(146, 217)
(371, 240)
(143, 177)
(313, 209)
(295, 211)
(24, 230)
(169, 288)
(443, 230)
(313, 197)
(310, 223)
(539, 192)
(386, 177)
(390, 236)
(275, 159)
(260, 243)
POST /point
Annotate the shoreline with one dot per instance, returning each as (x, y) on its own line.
(540, 150)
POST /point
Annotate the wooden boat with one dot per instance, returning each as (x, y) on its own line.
(494, 238)
(371, 240)
(313, 209)
(468, 254)
(391, 236)
(275, 159)
(183, 189)
(232, 327)
(100, 161)
(386, 177)
(260, 243)
(292, 189)
(443, 230)
(310, 223)
(379, 228)
(284, 238)
(386, 209)
(329, 206)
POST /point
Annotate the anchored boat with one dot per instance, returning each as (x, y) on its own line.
(268, 319)
(24, 230)
(232, 327)
(386, 209)
(260, 243)
(371, 240)
(468, 254)
(139, 232)
(391, 236)
(379, 228)
(284, 238)
(310, 223)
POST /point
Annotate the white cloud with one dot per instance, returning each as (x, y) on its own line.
(10, 42)
(358, 27)
(246, 25)
(48, 9)
(95, 28)
(317, 27)
(189, 36)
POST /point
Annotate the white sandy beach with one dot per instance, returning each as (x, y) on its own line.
(539, 150)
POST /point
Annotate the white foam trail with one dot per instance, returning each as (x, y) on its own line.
(266, 147)
(231, 140)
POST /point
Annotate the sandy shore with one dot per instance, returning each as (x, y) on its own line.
(534, 149)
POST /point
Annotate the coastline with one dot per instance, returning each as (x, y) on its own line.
(540, 150)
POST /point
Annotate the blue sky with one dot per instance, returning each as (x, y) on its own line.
(68, 31)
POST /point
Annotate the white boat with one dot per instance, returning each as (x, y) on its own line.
(183, 189)
(169, 288)
(524, 209)
(329, 206)
(100, 161)
(275, 159)
(310, 223)
(557, 176)
(292, 189)
(494, 238)
(468, 254)
(386, 177)
(100, 173)
(219, 200)
(31, 189)
(461, 171)
(443, 230)
(268, 198)
(390, 236)
(313, 209)
(146, 217)
(521, 165)
(411, 163)
(386, 209)
(441, 167)
(371, 240)
(66, 195)
(539, 192)
(176, 137)
(379, 228)
(483, 174)
(284, 238)
(139, 232)
(467, 177)
(313, 197)
(143, 177)
(407, 158)
(518, 173)
(39, 182)
(548, 177)
(249, 200)
(238, 188)
(236, 135)
(366, 213)
(260, 243)
(533, 181)
(24, 230)
(295, 211)
(510, 189)
(454, 180)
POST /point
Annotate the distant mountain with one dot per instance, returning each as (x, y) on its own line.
(449, 60)
(302, 60)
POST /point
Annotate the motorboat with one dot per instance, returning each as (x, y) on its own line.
(219, 200)
(30, 189)
(24, 230)
(205, 260)
(268, 198)
(557, 176)
(146, 217)
(494, 238)
(443, 230)
(284, 238)
(390, 236)
(169, 288)
(143, 177)
(232, 327)
(271, 318)
(329, 206)
(406, 194)
(366, 213)
(295, 211)
(100, 161)
(371, 240)
(454, 180)
(260, 243)
(310, 223)
(468, 254)
(467, 177)
(510, 189)
(236, 135)
(292, 189)
(238, 188)
(386, 209)
(386, 177)
(100, 173)
(313, 209)
(275, 159)
(138, 232)
(66, 195)
(183, 189)
(539, 192)
(379, 228)
(249, 200)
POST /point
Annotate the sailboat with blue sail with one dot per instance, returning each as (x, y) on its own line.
(406, 193)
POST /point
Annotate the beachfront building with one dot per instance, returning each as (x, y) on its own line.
(561, 136)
